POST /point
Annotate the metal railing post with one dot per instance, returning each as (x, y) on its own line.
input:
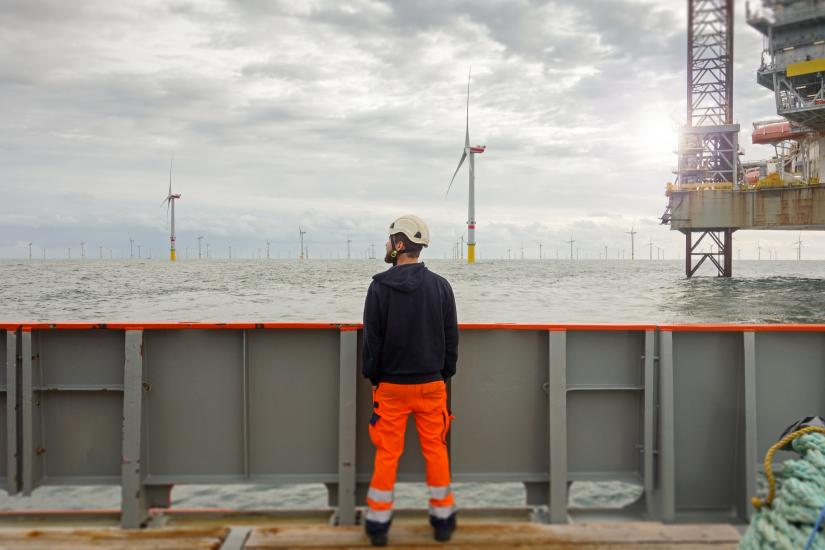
(649, 425)
(667, 450)
(12, 481)
(346, 426)
(133, 509)
(558, 426)
(26, 412)
(751, 448)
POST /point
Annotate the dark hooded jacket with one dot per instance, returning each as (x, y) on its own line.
(410, 327)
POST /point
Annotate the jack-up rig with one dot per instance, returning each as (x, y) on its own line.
(715, 194)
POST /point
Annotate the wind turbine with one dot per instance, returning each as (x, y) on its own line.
(170, 202)
(758, 251)
(470, 151)
(632, 234)
(302, 232)
(798, 246)
(570, 242)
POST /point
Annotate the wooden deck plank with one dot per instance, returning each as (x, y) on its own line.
(116, 539)
(525, 535)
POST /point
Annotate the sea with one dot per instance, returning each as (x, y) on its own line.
(495, 291)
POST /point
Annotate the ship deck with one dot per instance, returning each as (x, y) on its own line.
(217, 530)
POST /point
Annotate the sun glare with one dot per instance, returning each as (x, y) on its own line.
(656, 133)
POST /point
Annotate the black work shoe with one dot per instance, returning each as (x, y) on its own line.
(443, 528)
(377, 532)
(378, 540)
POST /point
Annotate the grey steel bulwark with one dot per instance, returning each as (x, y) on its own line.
(685, 412)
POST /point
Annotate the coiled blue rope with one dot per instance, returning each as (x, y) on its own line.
(793, 519)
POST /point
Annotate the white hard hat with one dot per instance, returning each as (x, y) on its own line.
(413, 228)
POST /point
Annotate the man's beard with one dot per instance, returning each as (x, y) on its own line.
(388, 258)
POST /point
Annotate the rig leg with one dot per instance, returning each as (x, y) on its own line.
(722, 258)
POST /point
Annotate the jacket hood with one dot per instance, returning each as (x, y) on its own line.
(404, 278)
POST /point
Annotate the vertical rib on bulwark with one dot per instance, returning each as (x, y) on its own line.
(649, 422)
(558, 426)
(12, 481)
(26, 403)
(751, 458)
(133, 510)
(667, 449)
(346, 426)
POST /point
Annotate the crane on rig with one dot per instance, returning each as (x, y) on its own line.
(714, 193)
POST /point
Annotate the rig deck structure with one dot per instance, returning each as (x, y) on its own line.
(715, 194)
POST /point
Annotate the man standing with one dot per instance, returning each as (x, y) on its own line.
(410, 351)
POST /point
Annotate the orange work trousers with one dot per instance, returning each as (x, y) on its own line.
(392, 403)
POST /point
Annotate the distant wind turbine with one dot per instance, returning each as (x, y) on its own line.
(632, 234)
(798, 246)
(170, 202)
(470, 151)
(570, 242)
(302, 233)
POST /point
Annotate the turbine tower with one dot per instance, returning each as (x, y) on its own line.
(170, 202)
(570, 242)
(302, 233)
(470, 151)
(632, 234)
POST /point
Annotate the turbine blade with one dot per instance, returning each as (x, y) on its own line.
(460, 162)
(467, 120)
(170, 172)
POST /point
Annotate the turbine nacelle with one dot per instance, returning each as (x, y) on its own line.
(476, 149)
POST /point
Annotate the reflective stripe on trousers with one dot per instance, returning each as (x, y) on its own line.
(392, 404)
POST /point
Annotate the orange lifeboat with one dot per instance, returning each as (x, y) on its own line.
(776, 132)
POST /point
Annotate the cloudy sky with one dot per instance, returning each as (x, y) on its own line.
(341, 115)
